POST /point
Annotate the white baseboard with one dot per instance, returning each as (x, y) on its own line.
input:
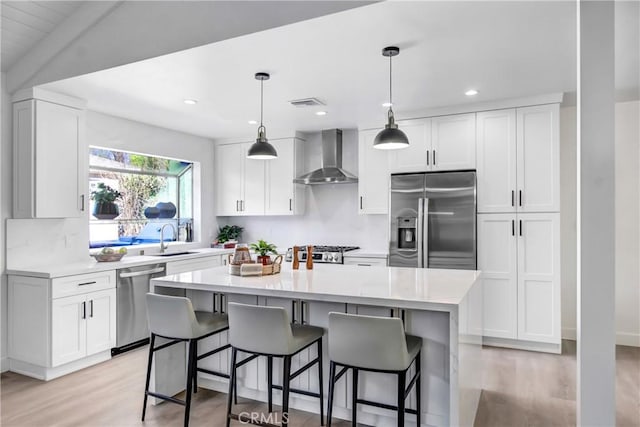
(622, 338)
(522, 345)
(4, 364)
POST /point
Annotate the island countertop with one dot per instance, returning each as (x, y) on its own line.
(411, 288)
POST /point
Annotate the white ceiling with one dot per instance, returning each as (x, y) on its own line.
(25, 23)
(503, 49)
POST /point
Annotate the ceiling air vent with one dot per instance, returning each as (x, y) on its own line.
(306, 102)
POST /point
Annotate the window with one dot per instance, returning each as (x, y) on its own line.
(134, 195)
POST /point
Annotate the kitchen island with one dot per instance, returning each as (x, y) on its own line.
(444, 307)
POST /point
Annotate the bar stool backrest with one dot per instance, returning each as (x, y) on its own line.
(260, 329)
(171, 317)
(368, 342)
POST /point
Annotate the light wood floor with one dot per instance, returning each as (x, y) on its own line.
(520, 389)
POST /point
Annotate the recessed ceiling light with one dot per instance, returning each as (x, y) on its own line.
(253, 122)
(387, 104)
(321, 113)
(191, 101)
(471, 92)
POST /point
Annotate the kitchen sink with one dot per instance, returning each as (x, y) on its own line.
(176, 253)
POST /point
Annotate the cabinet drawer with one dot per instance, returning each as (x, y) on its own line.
(365, 262)
(82, 283)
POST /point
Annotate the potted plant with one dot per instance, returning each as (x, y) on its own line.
(105, 206)
(228, 233)
(264, 249)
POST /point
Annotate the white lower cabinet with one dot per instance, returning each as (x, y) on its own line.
(82, 325)
(60, 325)
(519, 256)
(175, 267)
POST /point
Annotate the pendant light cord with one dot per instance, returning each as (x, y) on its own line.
(390, 112)
(261, 100)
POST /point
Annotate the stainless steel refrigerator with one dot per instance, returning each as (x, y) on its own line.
(433, 220)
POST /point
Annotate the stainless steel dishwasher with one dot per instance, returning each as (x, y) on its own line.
(132, 284)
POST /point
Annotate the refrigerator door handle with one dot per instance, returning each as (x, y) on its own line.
(419, 236)
(425, 229)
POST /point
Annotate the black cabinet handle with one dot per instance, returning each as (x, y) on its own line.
(434, 157)
(87, 283)
(360, 202)
(520, 227)
(520, 197)
(513, 227)
(91, 308)
(427, 157)
(84, 310)
(513, 198)
(290, 204)
(82, 203)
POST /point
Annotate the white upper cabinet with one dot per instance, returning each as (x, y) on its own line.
(538, 140)
(496, 161)
(373, 179)
(283, 197)
(49, 152)
(437, 144)
(229, 161)
(453, 142)
(519, 160)
(259, 187)
(417, 156)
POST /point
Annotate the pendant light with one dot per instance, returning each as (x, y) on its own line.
(390, 138)
(261, 149)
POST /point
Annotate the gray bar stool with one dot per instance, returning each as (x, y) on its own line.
(173, 318)
(374, 344)
(267, 331)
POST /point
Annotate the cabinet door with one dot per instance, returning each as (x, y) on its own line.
(229, 178)
(373, 171)
(58, 133)
(254, 183)
(417, 156)
(453, 142)
(279, 186)
(68, 329)
(498, 263)
(496, 161)
(538, 159)
(101, 321)
(539, 277)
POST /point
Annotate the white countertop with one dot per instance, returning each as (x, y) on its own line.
(412, 288)
(92, 266)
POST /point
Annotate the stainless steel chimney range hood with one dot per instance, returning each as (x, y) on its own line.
(331, 171)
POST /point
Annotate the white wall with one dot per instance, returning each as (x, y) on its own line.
(5, 209)
(331, 214)
(627, 218)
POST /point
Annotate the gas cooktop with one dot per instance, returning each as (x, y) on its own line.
(322, 253)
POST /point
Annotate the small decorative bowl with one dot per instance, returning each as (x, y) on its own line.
(107, 257)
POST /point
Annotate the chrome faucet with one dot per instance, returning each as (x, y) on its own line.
(162, 245)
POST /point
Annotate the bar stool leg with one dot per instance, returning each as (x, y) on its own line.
(146, 384)
(187, 403)
(286, 378)
(320, 382)
(270, 382)
(354, 398)
(401, 389)
(332, 375)
(418, 387)
(232, 380)
(195, 367)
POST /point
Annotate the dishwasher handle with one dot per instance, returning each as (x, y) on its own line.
(143, 273)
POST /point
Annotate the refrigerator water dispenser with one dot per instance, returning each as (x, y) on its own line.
(407, 232)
